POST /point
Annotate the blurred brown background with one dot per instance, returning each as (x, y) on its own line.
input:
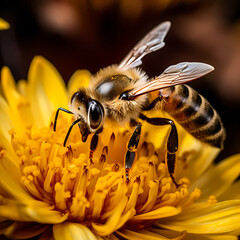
(91, 34)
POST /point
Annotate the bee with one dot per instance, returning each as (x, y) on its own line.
(122, 94)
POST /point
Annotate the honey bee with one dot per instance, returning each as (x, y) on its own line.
(120, 94)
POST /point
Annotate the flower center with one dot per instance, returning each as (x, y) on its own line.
(93, 191)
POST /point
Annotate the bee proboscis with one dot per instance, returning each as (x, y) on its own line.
(122, 94)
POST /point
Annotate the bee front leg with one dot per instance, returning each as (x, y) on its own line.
(56, 116)
(131, 149)
(69, 131)
(172, 142)
(93, 144)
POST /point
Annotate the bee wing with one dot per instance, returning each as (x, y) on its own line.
(150, 43)
(173, 75)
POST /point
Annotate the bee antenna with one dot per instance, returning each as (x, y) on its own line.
(56, 116)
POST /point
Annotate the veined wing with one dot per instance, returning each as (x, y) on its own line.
(173, 75)
(150, 43)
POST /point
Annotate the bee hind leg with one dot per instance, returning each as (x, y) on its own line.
(172, 142)
(131, 149)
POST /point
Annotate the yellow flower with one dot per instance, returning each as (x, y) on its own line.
(3, 24)
(54, 191)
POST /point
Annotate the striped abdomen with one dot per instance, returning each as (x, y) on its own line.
(194, 113)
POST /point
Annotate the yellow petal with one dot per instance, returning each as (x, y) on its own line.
(202, 218)
(6, 123)
(5, 126)
(22, 86)
(30, 211)
(235, 233)
(3, 24)
(189, 236)
(10, 181)
(126, 217)
(19, 106)
(200, 158)
(9, 86)
(7, 150)
(112, 222)
(145, 235)
(158, 213)
(4, 224)
(218, 178)
(22, 230)
(109, 237)
(231, 193)
(46, 235)
(217, 237)
(79, 79)
(47, 90)
(72, 231)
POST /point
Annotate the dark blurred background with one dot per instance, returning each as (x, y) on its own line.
(91, 34)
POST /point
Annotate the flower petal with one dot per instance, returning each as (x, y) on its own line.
(47, 90)
(22, 86)
(158, 213)
(4, 224)
(112, 222)
(72, 231)
(200, 157)
(203, 218)
(30, 211)
(190, 236)
(5, 126)
(225, 172)
(231, 193)
(3, 24)
(79, 79)
(47, 235)
(215, 237)
(109, 237)
(19, 106)
(6, 123)
(10, 181)
(23, 230)
(145, 235)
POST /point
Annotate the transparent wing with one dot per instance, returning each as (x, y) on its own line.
(150, 43)
(173, 75)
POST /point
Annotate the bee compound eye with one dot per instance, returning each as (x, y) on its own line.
(95, 114)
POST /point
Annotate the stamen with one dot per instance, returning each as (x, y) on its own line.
(3, 152)
(134, 195)
(95, 193)
(212, 199)
(152, 197)
(54, 164)
(61, 196)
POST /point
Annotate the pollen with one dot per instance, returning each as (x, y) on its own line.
(94, 191)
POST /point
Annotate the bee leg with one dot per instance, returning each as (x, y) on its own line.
(172, 142)
(132, 147)
(56, 116)
(152, 104)
(69, 131)
(93, 144)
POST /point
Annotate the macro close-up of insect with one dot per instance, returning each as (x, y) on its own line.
(122, 94)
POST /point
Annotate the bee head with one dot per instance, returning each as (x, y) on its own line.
(89, 110)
